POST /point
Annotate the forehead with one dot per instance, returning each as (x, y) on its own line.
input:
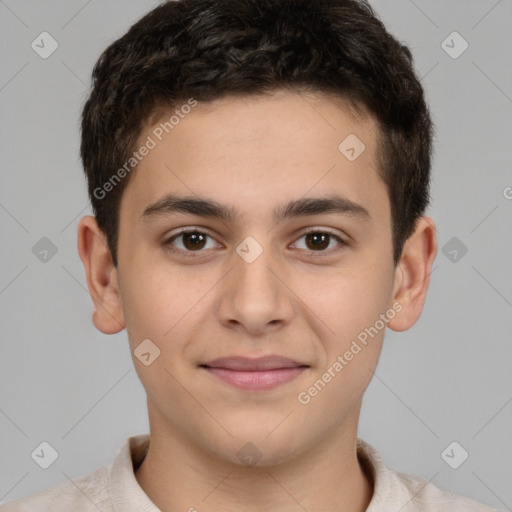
(259, 149)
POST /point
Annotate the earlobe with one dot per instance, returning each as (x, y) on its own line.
(412, 275)
(101, 274)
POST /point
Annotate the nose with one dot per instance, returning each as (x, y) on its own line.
(255, 297)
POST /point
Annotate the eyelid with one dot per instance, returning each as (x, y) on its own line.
(320, 229)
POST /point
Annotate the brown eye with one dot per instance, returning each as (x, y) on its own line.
(194, 240)
(319, 241)
(189, 241)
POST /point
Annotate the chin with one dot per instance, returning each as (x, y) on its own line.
(256, 448)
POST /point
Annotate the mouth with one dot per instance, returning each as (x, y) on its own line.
(257, 374)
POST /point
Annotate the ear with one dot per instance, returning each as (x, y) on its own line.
(412, 274)
(102, 279)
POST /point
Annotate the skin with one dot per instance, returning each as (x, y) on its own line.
(253, 154)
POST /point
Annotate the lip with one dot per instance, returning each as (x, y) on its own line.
(253, 364)
(257, 374)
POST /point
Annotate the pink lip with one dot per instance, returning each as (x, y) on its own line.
(255, 374)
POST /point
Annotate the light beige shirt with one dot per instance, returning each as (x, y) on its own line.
(114, 488)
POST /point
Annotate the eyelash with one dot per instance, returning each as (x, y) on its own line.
(193, 254)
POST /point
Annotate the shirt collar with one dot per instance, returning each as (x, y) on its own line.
(126, 493)
(379, 474)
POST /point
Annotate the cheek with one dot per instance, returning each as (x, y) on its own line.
(150, 302)
(359, 325)
(347, 301)
(353, 312)
(159, 300)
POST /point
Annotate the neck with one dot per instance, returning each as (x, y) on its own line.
(177, 475)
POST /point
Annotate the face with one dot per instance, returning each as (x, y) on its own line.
(293, 258)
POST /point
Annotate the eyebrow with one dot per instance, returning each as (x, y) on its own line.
(171, 204)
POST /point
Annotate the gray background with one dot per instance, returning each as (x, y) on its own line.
(446, 379)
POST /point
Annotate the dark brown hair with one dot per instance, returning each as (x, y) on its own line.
(206, 49)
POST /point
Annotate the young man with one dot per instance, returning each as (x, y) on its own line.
(259, 172)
